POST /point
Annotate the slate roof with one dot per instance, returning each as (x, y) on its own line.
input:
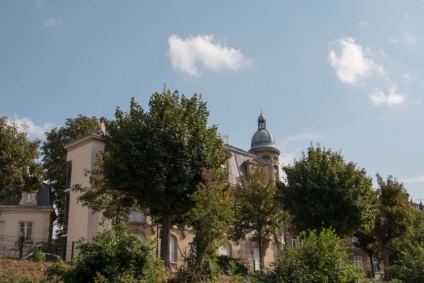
(43, 198)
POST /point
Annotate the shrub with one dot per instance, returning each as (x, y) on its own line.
(114, 256)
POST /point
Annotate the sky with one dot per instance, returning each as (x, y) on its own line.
(347, 75)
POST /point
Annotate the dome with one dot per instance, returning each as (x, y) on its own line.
(263, 139)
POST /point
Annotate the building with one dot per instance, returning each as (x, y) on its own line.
(83, 223)
(25, 218)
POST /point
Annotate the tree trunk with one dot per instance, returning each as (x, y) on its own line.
(386, 261)
(371, 264)
(52, 219)
(260, 253)
(165, 234)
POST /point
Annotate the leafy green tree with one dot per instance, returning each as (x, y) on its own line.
(323, 191)
(316, 257)
(114, 256)
(393, 220)
(257, 210)
(19, 169)
(209, 218)
(408, 260)
(158, 156)
(54, 159)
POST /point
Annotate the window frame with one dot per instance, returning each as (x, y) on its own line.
(26, 229)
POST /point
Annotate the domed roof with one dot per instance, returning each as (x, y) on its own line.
(262, 139)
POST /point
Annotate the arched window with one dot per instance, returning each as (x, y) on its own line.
(172, 249)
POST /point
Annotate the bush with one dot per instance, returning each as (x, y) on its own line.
(113, 256)
(315, 258)
(232, 266)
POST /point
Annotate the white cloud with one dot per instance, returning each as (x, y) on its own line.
(350, 65)
(362, 24)
(52, 22)
(392, 98)
(419, 179)
(189, 54)
(33, 130)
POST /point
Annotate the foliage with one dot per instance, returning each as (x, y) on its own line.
(38, 256)
(409, 265)
(393, 220)
(19, 169)
(316, 257)
(257, 210)
(54, 157)
(59, 272)
(232, 266)
(157, 156)
(212, 213)
(115, 256)
(407, 260)
(113, 204)
(322, 191)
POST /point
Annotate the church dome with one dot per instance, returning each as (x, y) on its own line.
(262, 139)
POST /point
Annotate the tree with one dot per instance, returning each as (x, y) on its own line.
(393, 220)
(316, 257)
(54, 159)
(408, 262)
(113, 204)
(257, 210)
(19, 169)
(211, 215)
(113, 256)
(158, 156)
(322, 191)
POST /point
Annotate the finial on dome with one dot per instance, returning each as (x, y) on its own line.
(261, 122)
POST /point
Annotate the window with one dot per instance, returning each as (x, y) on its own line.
(256, 260)
(225, 250)
(357, 260)
(275, 172)
(172, 249)
(26, 230)
(375, 265)
(68, 173)
(29, 197)
(1, 229)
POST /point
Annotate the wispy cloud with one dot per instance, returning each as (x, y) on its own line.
(392, 98)
(293, 146)
(52, 22)
(350, 64)
(362, 24)
(419, 179)
(33, 130)
(407, 78)
(191, 54)
(39, 4)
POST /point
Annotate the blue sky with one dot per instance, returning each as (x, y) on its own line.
(346, 74)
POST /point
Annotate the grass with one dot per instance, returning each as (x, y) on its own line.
(23, 268)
